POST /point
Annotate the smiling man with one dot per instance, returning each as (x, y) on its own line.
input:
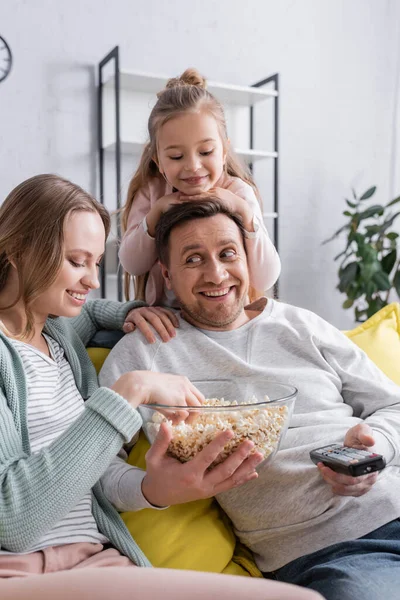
(306, 524)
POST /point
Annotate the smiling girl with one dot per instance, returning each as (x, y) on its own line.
(188, 155)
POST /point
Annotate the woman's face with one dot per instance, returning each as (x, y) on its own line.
(84, 241)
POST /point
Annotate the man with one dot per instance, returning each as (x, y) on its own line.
(306, 524)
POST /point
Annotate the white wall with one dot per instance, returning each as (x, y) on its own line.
(338, 61)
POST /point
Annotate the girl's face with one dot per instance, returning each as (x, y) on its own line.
(191, 154)
(84, 240)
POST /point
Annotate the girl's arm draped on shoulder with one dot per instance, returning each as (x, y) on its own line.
(263, 259)
(137, 252)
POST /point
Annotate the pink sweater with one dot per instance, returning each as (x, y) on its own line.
(138, 251)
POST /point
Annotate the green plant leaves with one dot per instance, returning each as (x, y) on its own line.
(389, 261)
(393, 201)
(396, 282)
(348, 303)
(369, 264)
(351, 204)
(347, 275)
(368, 193)
(377, 209)
(382, 280)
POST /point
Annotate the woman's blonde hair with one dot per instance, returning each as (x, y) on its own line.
(186, 93)
(32, 235)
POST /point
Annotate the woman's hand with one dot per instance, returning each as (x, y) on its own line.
(168, 481)
(146, 387)
(145, 318)
(231, 201)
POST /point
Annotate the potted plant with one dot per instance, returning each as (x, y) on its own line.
(369, 268)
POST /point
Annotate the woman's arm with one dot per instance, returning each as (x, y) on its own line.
(37, 490)
(101, 314)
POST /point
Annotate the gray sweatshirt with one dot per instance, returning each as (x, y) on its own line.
(289, 511)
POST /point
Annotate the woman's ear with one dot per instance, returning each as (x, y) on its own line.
(166, 276)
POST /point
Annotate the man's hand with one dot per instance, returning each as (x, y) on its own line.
(168, 481)
(360, 436)
(147, 318)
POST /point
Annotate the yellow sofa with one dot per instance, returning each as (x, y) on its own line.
(198, 535)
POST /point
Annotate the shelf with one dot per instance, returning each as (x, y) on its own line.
(137, 81)
(249, 156)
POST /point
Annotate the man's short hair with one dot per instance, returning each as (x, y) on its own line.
(189, 211)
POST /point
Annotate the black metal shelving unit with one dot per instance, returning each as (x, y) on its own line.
(113, 57)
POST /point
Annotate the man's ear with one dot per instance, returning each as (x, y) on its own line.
(166, 276)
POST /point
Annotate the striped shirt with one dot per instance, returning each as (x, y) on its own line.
(54, 402)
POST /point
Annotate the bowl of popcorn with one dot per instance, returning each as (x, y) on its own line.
(253, 408)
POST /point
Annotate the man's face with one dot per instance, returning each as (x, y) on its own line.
(208, 272)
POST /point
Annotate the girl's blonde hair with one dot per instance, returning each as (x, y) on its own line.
(32, 221)
(186, 93)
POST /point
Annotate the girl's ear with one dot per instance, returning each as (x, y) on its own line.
(166, 276)
(155, 159)
(226, 148)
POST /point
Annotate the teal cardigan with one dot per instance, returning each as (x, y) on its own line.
(37, 490)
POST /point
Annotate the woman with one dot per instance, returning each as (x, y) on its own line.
(59, 431)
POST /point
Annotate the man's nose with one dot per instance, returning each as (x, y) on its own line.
(215, 272)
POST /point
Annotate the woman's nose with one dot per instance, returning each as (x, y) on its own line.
(91, 278)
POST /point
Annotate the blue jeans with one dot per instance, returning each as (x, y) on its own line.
(364, 569)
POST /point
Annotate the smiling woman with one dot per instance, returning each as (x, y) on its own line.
(43, 222)
(60, 431)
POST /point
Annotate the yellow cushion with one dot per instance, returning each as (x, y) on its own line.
(379, 337)
(195, 536)
(98, 356)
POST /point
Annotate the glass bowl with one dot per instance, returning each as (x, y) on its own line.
(253, 408)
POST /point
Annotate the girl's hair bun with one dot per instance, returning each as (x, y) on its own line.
(188, 77)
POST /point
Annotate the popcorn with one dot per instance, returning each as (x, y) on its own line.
(263, 426)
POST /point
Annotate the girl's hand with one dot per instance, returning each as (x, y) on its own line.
(168, 481)
(146, 387)
(159, 208)
(161, 319)
(231, 201)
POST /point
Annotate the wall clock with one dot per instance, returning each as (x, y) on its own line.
(5, 59)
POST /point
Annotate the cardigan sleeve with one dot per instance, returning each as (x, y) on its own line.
(37, 490)
(101, 314)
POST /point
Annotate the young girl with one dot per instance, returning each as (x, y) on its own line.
(60, 431)
(188, 155)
